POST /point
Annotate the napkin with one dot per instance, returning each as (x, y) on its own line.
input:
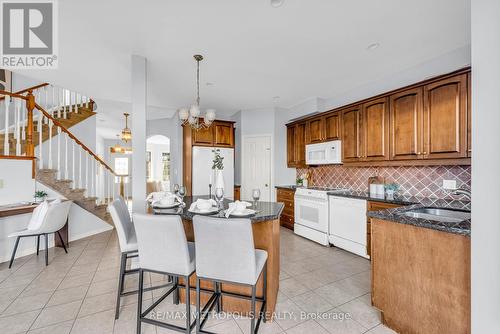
(232, 207)
(194, 205)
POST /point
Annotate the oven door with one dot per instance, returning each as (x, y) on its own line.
(312, 213)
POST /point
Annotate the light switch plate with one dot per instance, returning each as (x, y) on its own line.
(450, 184)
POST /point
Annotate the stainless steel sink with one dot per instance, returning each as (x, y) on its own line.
(436, 214)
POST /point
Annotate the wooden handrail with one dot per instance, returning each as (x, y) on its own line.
(23, 91)
(57, 123)
(17, 95)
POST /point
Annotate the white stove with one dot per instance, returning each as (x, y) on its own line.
(312, 213)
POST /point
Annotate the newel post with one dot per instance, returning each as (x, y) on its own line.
(30, 105)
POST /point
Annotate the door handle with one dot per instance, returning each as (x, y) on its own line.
(266, 185)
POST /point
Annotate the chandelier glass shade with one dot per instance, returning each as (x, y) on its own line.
(192, 116)
(126, 132)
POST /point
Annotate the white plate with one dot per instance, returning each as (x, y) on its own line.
(244, 213)
(210, 211)
(169, 206)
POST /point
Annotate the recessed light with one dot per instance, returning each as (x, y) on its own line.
(277, 3)
(276, 97)
(209, 83)
(373, 46)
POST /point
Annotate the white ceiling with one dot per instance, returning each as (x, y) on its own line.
(252, 51)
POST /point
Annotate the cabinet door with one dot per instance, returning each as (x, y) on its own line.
(375, 130)
(290, 146)
(203, 136)
(445, 118)
(315, 129)
(224, 134)
(406, 112)
(300, 145)
(351, 122)
(469, 115)
(332, 126)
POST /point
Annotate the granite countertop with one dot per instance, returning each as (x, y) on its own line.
(265, 210)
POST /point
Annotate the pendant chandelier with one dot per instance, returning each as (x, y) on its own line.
(126, 132)
(118, 149)
(192, 116)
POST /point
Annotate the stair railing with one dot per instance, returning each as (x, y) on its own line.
(73, 160)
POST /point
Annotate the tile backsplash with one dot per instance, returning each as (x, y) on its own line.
(421, 181)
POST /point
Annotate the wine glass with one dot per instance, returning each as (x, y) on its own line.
(219, 195)
(255, 196)
(176, 188)
(182, 192)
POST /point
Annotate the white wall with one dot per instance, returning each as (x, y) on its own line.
(18, 184)
(485, 26)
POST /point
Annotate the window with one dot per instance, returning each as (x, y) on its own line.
(165, 162)
(121, 166)
(148, 165)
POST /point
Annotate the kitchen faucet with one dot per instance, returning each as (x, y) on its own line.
(462, 191)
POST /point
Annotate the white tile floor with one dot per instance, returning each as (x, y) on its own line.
(322, 290)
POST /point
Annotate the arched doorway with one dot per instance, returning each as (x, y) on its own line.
(158, 163)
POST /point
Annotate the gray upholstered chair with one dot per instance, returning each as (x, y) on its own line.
(164, 249)
(225, 252)
(128, 244)
(55, 218)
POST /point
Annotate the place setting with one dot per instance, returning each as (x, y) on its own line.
(165, 200)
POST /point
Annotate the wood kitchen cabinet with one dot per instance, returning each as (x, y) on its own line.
(374, 206)
(332, 126)
(296, 145)
(315, 130)
(406, 116)
(219, 134)
(469, 115)
(445, 118)
(375, 130)
(286, 196)
(351, 134)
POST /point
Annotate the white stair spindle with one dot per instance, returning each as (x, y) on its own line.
(18, 126)
(58, 152)
(6, 149)
(66, 157)
(59, 101)
(72, 100)
(87, 173)
(80, 186)
(65, 115)
(46, 94)
(23, 121)
(73, 174)
(50, 143)
(53, 104)
(40, 138)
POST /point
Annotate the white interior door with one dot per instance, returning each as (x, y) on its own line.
(256, 167)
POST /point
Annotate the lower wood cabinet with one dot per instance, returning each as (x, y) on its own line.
(286, 196)
(374, 206)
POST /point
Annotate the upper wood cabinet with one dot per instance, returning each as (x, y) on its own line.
(351, 134)
(296, 145)
(315, 130)
(445, 118)
(375, 130)
(224, 134)
(406, 115)
(469, 116)
(332, 126)
(219, 134)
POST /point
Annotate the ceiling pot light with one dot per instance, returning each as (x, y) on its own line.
(277, 3)
(373, 46)
(192, 116)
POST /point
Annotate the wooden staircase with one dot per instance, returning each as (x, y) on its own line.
(48, 177)
(68, 166)
(71, 120)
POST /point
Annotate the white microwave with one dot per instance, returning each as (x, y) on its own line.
(324, 153)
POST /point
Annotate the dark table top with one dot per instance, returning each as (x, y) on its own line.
(265, 210)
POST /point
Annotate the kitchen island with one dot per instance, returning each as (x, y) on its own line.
(266, 234)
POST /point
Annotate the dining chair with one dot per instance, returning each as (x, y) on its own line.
(54, 219)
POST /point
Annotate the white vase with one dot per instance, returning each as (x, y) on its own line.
(219, 179)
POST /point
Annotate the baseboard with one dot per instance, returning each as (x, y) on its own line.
(90, 233)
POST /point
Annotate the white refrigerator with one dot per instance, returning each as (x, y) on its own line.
(202, 171)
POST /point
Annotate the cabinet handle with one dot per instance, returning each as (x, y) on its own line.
(425, 153)
(469, 150)
(419, 153)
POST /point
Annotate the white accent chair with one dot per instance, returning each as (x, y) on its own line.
(55, 218)
(225, 252)
(164, 249)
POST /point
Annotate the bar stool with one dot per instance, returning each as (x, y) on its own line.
(164, 249)
(225, 252)
(128, 247)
